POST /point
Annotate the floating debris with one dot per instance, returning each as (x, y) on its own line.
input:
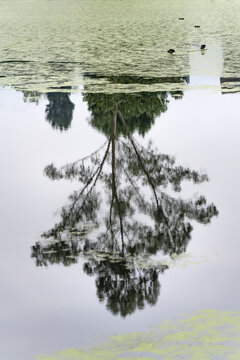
(49, 252)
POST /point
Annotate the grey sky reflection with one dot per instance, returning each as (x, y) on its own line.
(34, 300)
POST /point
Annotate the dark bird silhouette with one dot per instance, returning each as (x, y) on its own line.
(203, 47)
(171, 51)
(181, 18)
(197, 26)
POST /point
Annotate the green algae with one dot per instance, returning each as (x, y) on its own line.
(206, 335)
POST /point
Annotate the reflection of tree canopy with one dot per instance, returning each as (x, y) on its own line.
(139, 109)
(31, 96)
(125, 289)
(59, 111)
(124, 197)
(124, 285)
(129, 168)
(58, 252)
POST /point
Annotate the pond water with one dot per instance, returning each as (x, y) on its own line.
(47, 45)
(119, 180)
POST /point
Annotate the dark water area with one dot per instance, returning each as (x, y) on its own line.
(119, 181)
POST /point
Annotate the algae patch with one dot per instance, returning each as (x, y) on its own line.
(205, 335)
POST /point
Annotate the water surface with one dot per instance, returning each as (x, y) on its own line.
(86, 45)
(91, 100)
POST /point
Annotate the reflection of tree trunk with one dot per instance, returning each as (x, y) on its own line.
(96, 173)
(89, 156)
(139, 157)
(114, 191)
(134, 186)
(110, 217)
(159, 209)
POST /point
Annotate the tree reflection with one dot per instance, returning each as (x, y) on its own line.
(58, 252)
(123, 217)
(140, 109)
(31, 96)
(124, 289)
(59, 110)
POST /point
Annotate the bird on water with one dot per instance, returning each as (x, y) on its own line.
(203, 47)
(197, 26)
(181, 18)
(171, 51)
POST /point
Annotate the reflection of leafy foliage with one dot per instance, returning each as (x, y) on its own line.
(82, 208)
(124, 289)
(131, 168)
(124, 285)
(31, 96)
(139, 109)
(56, 252)
(59, 110)
(133, 221)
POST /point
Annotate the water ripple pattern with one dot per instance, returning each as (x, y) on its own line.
(78, 44)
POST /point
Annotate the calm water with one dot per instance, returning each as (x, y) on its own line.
(119, 179)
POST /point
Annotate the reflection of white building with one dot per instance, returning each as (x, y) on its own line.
(206, 66)
(219, 29)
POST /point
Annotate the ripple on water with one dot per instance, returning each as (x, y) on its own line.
(46, 45)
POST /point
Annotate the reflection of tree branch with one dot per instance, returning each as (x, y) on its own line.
(159, 209)
(101, 165)
(137, 225)
(139, 157)
(131, 166)
(134, 186)
(98, 172)
(113, 135)
(89, 156)
(110, 214)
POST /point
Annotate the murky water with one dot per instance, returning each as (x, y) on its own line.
(119, 179)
